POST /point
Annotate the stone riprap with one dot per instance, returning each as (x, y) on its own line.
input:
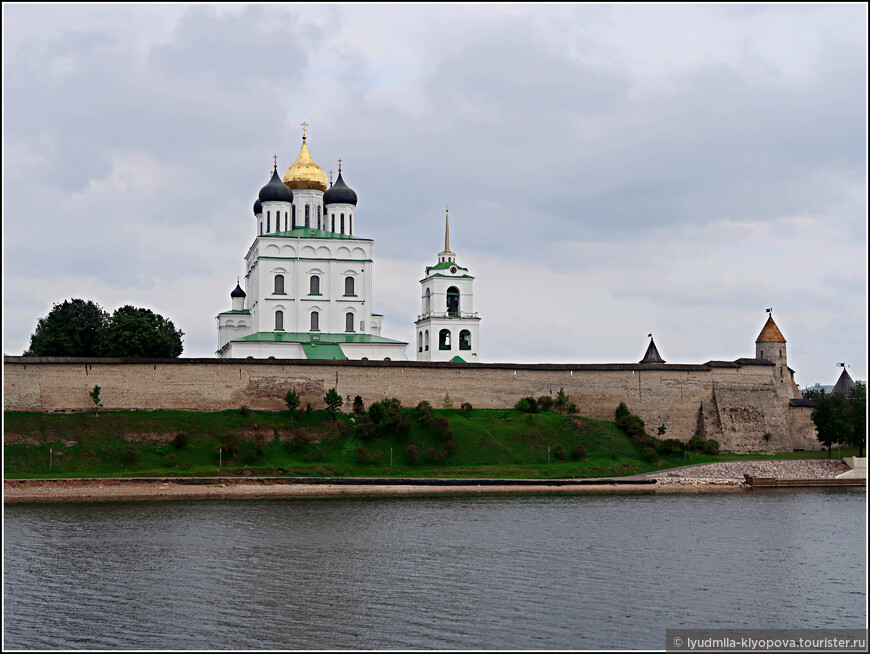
(734, 470)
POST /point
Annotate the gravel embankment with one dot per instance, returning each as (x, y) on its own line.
(731, 472)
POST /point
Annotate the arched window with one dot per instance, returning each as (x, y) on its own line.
(465, 340)
(308, 215)
(279, 320)
(444, 339)
(426, 341)
(314, 287)
(279, 283)
(349, 286)
(427, 302)
(419, 341)
(348, 322)
(315, 321)
(452, 301)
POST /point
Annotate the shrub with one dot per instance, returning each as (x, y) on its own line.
(621, 411)
(424, 413)
(169, 460)
(291, 399)
(561, 401)
(441, 426)
(364, 456)
(711, 446)
(358, 406)
(412, 455)
(671, 446)
(402, 427)
(649, 454)
(527, 405)
(318, 454)
(333, 400)
(431, 455)
(253, 454)
(365, 428)
(466, 406)
(447, 403)
(244, 411)
(696, 443)
(631, 425)
(643, 441)
(545, 403)
(308, 408)
(768, 436)
(662, 430)
(579, 452)
(450, 448)
(230, 446)
(180, 441)
(571, 408)
(558, 453)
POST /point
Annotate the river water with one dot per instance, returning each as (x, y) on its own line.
(568, 572)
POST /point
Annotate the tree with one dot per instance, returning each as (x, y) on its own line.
(291, 399)
(856, 404)
(621, 411)
(829, 416)
(74, 328)
(95, 398)
(333, 401)
(561, 401)
(133, 332)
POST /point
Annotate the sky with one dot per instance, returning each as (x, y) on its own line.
(611, 170)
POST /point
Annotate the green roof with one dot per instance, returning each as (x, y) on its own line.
(443, 266)
(234, 311)
(323, 351)
(310, 232)
(458, 359)
(313, 337)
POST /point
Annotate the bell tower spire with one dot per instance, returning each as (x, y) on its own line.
(446, 256)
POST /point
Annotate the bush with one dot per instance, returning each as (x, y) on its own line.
(621, 411)
(571, 408)
(412, 455)
(447, 403)
(253, 455)
(180, 441)
(643, 441)
(558, 453)
(365, 428)
(230, 446)
(244, 411)
(649, 454)
(671, 446)
(527, 405)
(169, 460)
(424, 413)
(579, 452)
(696, 443)
(466, 406)
(631, 425)
(711, 446)
(364, 456)
(318, 454)
(291, 399)
(431, 455)
(449, 448)
(768, 436)
(545, 403)
(358, 406)
(561, 401)
(402, 427)
(662, 430)
(333, 400)
(441, 426)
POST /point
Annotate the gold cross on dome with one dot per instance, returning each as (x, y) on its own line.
(304, 127)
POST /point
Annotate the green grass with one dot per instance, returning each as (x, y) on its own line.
(489, 443)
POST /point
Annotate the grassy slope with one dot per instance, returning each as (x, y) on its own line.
(490, 443)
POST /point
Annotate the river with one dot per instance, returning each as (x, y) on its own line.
(541, 572)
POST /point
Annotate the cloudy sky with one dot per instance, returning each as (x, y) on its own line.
(611, 171)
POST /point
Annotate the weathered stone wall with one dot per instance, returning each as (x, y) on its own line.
(659, 393)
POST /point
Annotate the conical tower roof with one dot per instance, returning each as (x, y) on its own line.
(304, 173)
(770, 333)
(652, 354)
(844, 384)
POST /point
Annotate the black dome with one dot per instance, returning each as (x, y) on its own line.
(339, 193)
(275, 190)
(238, 292)
(258, 207)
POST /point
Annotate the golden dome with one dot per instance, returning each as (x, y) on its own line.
(304, 173)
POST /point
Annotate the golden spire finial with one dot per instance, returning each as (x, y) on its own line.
(447, 229)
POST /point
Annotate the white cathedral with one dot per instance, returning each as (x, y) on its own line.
(308, 283)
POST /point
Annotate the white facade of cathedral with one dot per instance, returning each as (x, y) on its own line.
(448, 328)
(308, 276)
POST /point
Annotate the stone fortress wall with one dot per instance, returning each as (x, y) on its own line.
(734, 402)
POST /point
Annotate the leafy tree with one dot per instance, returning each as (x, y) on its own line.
(424, 412)
(545, 403)
(561, 401)
(95, 398)
(291, 399)
(857, 405)
(621, 411)
(447, 403)
(527, 405)
(133, 332)
(74, 328)
(829, 416)
(333, 401)
(358, 406)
